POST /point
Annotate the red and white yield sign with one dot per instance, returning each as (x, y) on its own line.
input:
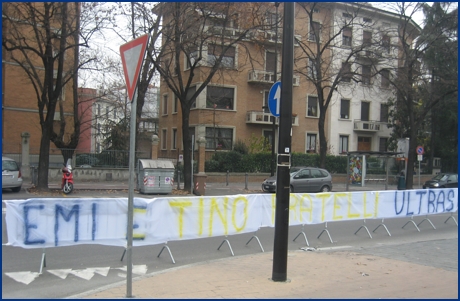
(132, 56)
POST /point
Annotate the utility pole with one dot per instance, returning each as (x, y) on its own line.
(280, 248)
(272, 166)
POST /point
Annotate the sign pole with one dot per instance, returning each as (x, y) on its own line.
(280, 247)
(191, 162)
(419, 174)
(132, 151)
(132, 56)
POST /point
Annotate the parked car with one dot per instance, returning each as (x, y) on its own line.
(442, 180)
(303, 179)
(11, 175)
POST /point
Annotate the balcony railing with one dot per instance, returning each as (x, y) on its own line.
(373, 54)
(260, 117)
(369, 126)
(269, 37)
(260, 76)
(226, 32)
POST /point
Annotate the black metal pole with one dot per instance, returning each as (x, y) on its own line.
(280, 247)
(272, 166)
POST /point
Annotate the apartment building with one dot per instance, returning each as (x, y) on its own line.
(100, 113)
(233, 106)
(359, 111)
(20, 112)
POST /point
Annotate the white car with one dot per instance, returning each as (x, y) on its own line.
(11, 175)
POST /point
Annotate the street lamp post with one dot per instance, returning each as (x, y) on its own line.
(272, 167)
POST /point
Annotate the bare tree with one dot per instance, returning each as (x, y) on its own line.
(330, 55)
(44, 39)
(413, 80)
(191, 30)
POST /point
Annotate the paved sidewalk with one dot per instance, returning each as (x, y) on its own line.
(337, 274)
(211, 188)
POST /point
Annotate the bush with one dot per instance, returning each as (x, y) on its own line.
(234, 161)
(240, 147)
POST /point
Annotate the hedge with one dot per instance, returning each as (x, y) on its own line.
(233, 161)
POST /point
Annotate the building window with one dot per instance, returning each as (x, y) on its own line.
(367, 20)
(346, 72)
(346, 36)
(343, 144)
(190, 93)
(347, 15)
(165, 104)
(311, 143)
(367, 38)
(383, 112)
(345, 109)
(315, 31)
(174, 139)
(271, 19)
(115, 113)
(228, 59)
(386, 43)
(219, 138)
(192, 136)
(175, 105)
(312, 69)
(193, 55)
(383, 144)
(365, 109)
(98, 128)
(265, 106)
(366, 75)
(312, 106)
(385, 78)
(164, 132)
(268, 137)
(220, 97)
(107, 112)
(270, 61)
(98, 110)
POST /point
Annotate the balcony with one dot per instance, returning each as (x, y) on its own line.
(259, 117)
(266, 77)
(269, 37)
(221, 31)
(371, 55)
(368, 126)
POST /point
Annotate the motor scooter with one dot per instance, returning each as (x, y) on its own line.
(67, 178)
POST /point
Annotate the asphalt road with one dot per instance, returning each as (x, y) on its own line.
(72, 270)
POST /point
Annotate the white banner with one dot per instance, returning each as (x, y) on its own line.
(46, 222)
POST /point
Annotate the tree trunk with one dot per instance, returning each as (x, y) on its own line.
(44, 160)
(188, 154)
(322, 140)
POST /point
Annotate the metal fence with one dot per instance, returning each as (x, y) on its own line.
(104, 159)
(107, 158)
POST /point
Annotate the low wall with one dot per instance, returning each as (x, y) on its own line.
(122, 174)
(91, 174)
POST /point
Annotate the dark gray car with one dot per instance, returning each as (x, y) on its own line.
(442, 180)
(303, 179)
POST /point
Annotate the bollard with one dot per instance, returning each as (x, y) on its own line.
(178, 179)
(34, 175)
(227, 177)
(246, 181)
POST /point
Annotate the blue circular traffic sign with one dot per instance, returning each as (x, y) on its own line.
(274, 97)
(420, 150)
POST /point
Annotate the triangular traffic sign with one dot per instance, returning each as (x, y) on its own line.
(132, 56)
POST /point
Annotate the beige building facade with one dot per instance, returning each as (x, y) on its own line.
(233, 105)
